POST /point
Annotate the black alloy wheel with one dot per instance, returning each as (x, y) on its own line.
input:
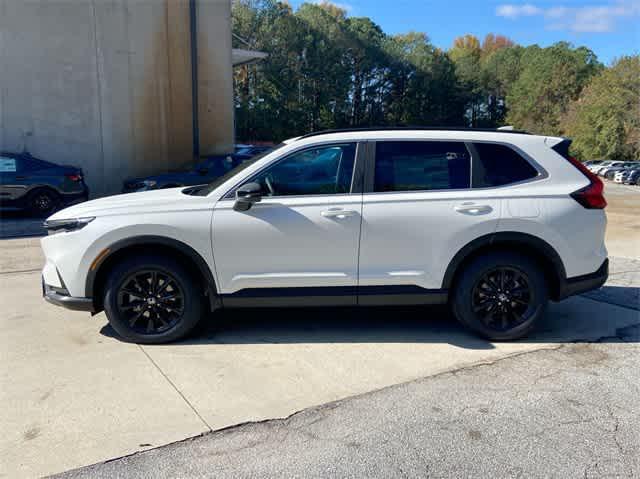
(502, 299)
(43, 203)
(500, 295)
(151, 301)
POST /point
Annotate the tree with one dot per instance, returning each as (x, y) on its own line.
(550, 78)
(605, 120)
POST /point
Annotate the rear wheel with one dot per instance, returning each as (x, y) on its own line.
(43, 202)
(501, 296)
(152, 299)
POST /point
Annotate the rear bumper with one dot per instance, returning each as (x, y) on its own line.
(582, 284)
(73, 198)
(56, 296)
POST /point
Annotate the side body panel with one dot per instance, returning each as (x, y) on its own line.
(287, 242)
(410, 238)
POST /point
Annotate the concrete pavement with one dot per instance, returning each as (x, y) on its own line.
(73, 395)
(569, 411)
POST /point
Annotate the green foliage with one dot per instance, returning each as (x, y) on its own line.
(605, 120)
(550, 78)
(326, 69)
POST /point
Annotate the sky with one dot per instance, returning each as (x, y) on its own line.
(610, 28)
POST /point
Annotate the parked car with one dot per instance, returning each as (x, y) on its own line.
(592, 162)
(633, 178)
(602, 170)
(204, 172)
(621, 175)
(610, 172)
(597, 167)
(251, 150)
(38, 186)
(344, 218)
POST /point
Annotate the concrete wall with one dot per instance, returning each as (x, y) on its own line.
(106, 84)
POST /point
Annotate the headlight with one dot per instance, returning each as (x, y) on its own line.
(149, 183)
(71, 224)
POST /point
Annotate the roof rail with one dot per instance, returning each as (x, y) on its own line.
(409, 128)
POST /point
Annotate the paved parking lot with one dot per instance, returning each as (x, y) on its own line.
(73, 394)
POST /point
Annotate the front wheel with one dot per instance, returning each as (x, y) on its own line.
(501, 296)
(152, 299)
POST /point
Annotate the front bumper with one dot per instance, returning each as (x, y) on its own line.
(58, 297)
(588, 282)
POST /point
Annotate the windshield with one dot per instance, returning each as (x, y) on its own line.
(206, 189)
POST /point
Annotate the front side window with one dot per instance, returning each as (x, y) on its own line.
(421, 166)
(499, 165)
(323, 170)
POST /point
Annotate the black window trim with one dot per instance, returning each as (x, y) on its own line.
(542, 173)
(356, 177)
(369, 184)
(371, 165)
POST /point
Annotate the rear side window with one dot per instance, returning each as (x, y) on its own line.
(7, 165)
(499, 165)
(421, 166)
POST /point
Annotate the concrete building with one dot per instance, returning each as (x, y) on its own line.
(110, 85)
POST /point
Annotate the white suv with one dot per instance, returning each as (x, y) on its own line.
(494, 223)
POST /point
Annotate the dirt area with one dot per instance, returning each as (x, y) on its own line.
(623, 229)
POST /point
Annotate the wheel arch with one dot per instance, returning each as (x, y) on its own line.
(109, 257)
(542, 252)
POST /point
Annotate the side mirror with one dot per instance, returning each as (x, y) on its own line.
(247, 195)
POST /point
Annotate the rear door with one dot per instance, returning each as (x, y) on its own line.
(418, 211)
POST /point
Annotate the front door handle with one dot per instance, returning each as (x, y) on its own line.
(21, 177)
(473, 209)
(338, 213)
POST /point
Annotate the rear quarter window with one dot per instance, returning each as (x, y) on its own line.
(497, 165)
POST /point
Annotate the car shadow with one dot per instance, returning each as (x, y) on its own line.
(18, 224)
(433, 324)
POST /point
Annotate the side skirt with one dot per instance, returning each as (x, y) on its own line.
(333, 296)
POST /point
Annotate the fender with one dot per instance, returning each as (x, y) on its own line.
(538, 245)
(151, 240)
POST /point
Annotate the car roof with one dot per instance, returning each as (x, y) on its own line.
(426, 133)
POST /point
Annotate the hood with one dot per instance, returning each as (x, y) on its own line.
(171, 199)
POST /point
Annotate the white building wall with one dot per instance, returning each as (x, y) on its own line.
(106, 84)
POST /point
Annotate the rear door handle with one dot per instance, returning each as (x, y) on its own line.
(338, 213)
(472, 209)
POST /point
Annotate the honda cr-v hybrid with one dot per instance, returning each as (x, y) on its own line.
(493, 223)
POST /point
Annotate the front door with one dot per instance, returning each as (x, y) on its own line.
(299, 244)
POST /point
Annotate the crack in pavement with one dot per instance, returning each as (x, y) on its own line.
(184, 398)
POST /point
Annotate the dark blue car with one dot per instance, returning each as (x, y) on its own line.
(38, 186)
(204, 172)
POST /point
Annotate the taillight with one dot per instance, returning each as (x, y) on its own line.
(592, 195)
(74, 177)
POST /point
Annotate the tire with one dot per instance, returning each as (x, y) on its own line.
(473, 298)
(146, 319)
(43, 202)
